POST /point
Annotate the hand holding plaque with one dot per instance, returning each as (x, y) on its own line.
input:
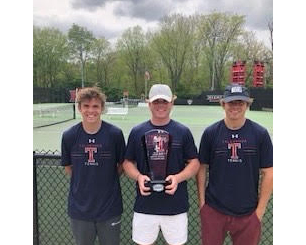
(157, 144)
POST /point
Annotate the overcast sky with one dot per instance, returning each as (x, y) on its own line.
(109, 18)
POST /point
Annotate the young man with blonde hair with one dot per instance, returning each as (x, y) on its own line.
(235, 150)
(92, 153)
(165, 210)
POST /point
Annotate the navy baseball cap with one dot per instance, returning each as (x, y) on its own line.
(236, 92)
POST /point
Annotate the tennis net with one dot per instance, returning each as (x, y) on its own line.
(50, 114)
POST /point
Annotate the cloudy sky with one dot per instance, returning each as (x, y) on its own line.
(109, 18)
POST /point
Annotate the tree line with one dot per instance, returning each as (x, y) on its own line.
(190, 53)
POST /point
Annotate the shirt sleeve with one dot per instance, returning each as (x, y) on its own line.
(130, 149)
(189, 148)
(65, 154)
(120, 148)
(205, 148)
(266, 151)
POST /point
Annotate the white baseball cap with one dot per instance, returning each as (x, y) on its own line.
(160, 91)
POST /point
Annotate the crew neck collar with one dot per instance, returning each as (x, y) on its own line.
(92, 132)
(164, 125)
(234, 128)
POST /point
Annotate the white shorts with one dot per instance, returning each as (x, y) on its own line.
(146, 228)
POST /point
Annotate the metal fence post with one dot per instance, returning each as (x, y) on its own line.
(74, 113)
(35, 208)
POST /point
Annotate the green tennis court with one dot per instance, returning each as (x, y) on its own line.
(195, 117)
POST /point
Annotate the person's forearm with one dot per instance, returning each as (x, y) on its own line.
(130, 169)
(201, 184)
(266, 188)
(190, 170)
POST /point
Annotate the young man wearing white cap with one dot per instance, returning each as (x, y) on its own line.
(165, 210)
(236, 150)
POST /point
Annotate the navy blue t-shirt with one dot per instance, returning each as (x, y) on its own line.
(234, 158)
(182, 149)
(95, 193)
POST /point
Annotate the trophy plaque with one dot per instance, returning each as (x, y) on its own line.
(157, 145)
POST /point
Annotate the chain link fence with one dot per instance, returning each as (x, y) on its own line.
(51, 222)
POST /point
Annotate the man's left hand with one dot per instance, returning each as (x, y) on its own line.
(260, 213)
(171, 189)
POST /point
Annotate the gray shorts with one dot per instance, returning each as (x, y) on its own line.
(108, 232)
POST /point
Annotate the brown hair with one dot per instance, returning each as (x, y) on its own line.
(90, 93)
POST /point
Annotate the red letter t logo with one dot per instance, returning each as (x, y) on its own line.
(91, 151)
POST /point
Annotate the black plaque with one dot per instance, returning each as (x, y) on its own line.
(157, 145)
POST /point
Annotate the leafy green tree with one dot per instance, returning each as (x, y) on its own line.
(80, 42)
(173, 42)
(103, 57)
(132, 48)
(219, 31)
(70, 76)
(50, 52)
(192, 54)
(119, 76)
(192, 81)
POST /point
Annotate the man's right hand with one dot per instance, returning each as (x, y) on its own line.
(68, 170)
(141, 179)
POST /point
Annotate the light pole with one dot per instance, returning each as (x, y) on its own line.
(147, 77)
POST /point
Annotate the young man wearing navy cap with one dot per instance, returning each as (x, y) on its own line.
(92, 153)
(235, 151)
(165, 210)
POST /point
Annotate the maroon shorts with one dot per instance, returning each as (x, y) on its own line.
(215, 225)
